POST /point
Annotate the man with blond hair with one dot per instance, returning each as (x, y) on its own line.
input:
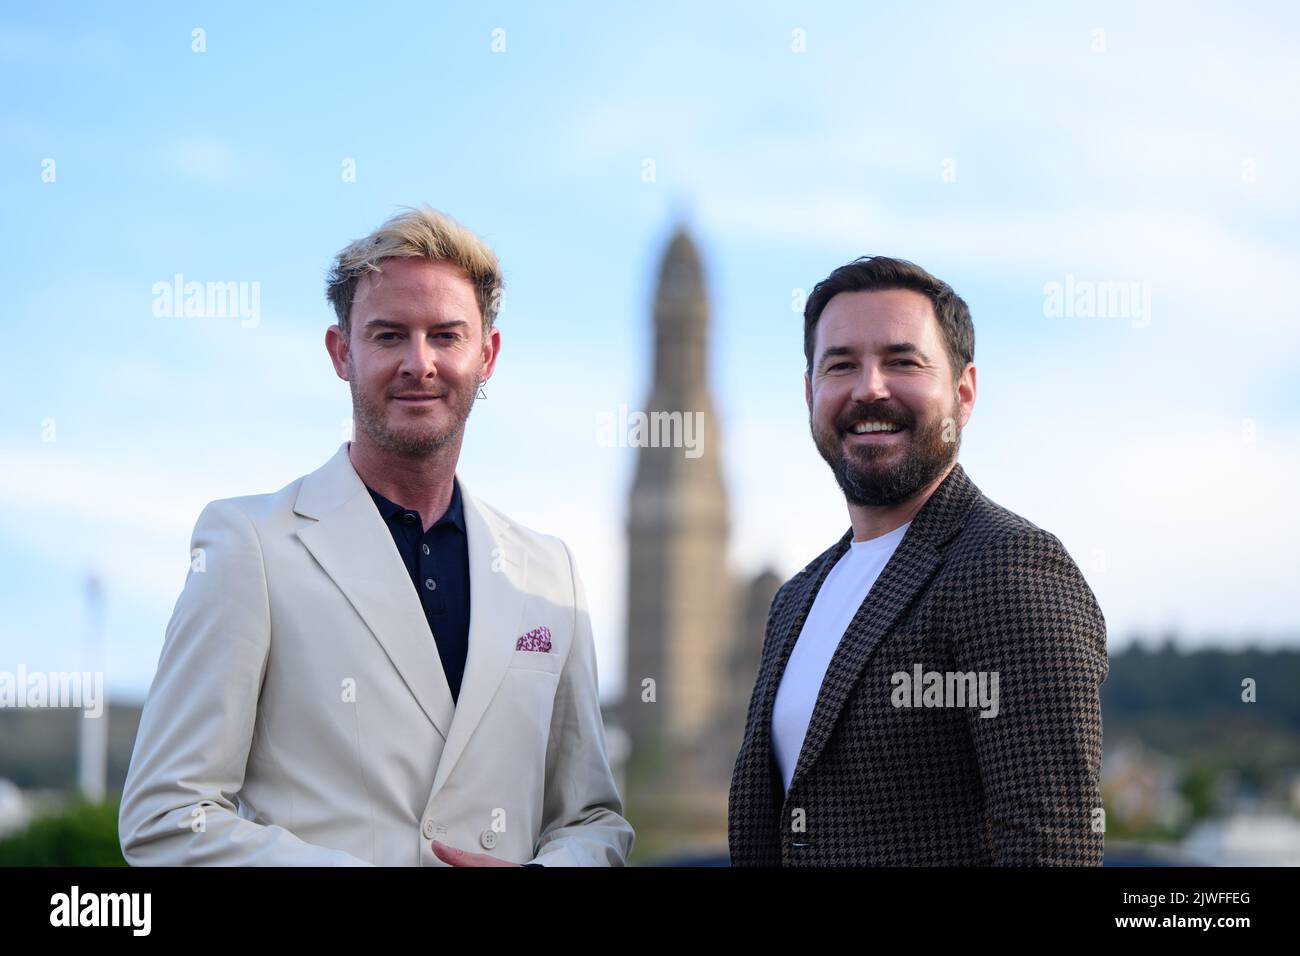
(372, 665)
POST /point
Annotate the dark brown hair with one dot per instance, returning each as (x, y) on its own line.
(878, 273)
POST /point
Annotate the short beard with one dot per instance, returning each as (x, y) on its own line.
(925, 458)
(372, 419)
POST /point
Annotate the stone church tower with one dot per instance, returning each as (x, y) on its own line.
(690, 625)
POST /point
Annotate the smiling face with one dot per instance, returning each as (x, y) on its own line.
(883, 406)
(415, 355)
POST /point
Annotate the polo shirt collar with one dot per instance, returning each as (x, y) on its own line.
(455, 514)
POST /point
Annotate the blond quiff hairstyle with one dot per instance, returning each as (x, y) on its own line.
(423, 233)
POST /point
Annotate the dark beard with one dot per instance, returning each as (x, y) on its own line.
(865, 482)
(372, 420)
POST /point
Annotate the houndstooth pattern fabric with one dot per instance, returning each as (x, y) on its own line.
(971, 587)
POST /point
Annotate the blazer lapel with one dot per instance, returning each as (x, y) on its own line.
(907, 573)
(498, 569)
(355, 548)
(762, 736)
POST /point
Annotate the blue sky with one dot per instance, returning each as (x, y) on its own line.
(1002, 148)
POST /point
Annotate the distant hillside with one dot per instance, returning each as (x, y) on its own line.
(1189, 705)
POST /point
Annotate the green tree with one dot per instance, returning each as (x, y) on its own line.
(83, 834)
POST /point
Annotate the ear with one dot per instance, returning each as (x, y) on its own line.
(807, 391)
(491, 349)
(336, 344)
(966, 393)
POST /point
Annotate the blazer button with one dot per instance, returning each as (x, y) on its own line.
(428, 829)
(488, 838)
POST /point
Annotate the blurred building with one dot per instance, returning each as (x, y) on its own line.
(1140, 787)
(1265, 839)
(14, 813)
(694, 630)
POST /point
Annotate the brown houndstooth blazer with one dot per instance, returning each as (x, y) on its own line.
(971, 587)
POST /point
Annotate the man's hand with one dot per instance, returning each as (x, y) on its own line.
(454, 857)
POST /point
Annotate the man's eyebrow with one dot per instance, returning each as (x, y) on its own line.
(835, 351)
(894, 348)
(392, 324)
(906, 348)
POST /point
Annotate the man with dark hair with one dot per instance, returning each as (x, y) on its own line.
(929, 689)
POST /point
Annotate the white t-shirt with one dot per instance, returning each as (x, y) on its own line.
(838, 600)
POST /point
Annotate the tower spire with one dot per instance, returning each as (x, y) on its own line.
(681, 322)
(679, 590)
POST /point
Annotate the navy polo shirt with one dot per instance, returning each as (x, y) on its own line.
(438, 562)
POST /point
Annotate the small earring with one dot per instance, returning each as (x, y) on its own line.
(480, 393)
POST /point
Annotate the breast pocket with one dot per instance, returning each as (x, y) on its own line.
(547, 661)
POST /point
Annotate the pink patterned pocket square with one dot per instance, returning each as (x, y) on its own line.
(538, 639)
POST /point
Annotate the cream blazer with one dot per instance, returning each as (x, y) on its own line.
(300, 715)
